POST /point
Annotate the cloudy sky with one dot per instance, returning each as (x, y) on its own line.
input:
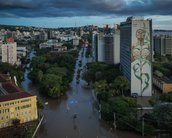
(57, 13)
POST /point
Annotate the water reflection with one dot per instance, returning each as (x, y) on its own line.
(59, 121)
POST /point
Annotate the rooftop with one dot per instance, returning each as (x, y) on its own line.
(163, 79)
(9, 91)
(13, 96)
(10, 40)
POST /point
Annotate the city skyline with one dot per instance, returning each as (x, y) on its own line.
(70, 13)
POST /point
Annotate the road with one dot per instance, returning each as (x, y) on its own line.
(59, 114)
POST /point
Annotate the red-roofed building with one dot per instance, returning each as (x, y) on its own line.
(15, 103)
(10, 40)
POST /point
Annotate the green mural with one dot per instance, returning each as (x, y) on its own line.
(141, 57)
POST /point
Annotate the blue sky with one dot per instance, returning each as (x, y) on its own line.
(67, 13)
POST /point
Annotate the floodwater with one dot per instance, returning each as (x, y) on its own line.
(59, 121)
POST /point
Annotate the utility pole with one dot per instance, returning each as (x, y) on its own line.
(143, 126)
(100, 111)
(114, 123)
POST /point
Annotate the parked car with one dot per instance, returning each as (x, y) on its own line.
(134, 95)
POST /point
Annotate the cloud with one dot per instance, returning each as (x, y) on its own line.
(71, 8)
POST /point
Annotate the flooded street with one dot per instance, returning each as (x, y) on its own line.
(59, 121)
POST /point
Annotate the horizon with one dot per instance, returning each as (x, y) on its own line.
(72, 13)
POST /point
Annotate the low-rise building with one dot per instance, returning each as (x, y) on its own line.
(48, 44)
(59, 48)
(54, 45)
(15, 103)
(162, 83)
(21, 51)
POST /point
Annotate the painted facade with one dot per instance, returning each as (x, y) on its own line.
(136, 54)
(141, 69)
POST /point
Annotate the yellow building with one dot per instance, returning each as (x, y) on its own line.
(15, 104)
(164, 84)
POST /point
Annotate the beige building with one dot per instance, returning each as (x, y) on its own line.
(8, 51)
(15, 103)
(164, 84)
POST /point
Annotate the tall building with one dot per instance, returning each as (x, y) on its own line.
(43, 36)
(15, 103)
(94, 45)
(136, 54)
(100, 47)
(76, 40)
(107, 47)
(163, 45)
(8, 52)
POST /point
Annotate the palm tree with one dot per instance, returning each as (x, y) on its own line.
(121, 84)
(101, 86)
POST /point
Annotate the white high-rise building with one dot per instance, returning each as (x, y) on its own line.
(8, 51)
(76, 40)
(100, 48)
(136, 54)
(106, 47)
(94, 44)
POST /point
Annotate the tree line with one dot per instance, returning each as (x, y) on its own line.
(53, 73)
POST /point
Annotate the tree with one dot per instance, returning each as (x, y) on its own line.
(12, 70)
(166, 98)
(102, 88)
(162, 113)
(121, 83)
(37, 62)
(40, 104)
(55, 91)
(51, 84)
(123, 105)
(86, 76)
(33, 75)
(62, 71)
(40, 75)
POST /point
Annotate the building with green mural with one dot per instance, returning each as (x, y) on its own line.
(136, 54)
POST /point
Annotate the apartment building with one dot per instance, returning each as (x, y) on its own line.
(8, 51)
(163, 45)
(106, 47)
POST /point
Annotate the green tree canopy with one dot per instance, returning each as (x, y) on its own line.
(121, 84)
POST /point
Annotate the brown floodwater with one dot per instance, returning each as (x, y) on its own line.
(59, 121)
